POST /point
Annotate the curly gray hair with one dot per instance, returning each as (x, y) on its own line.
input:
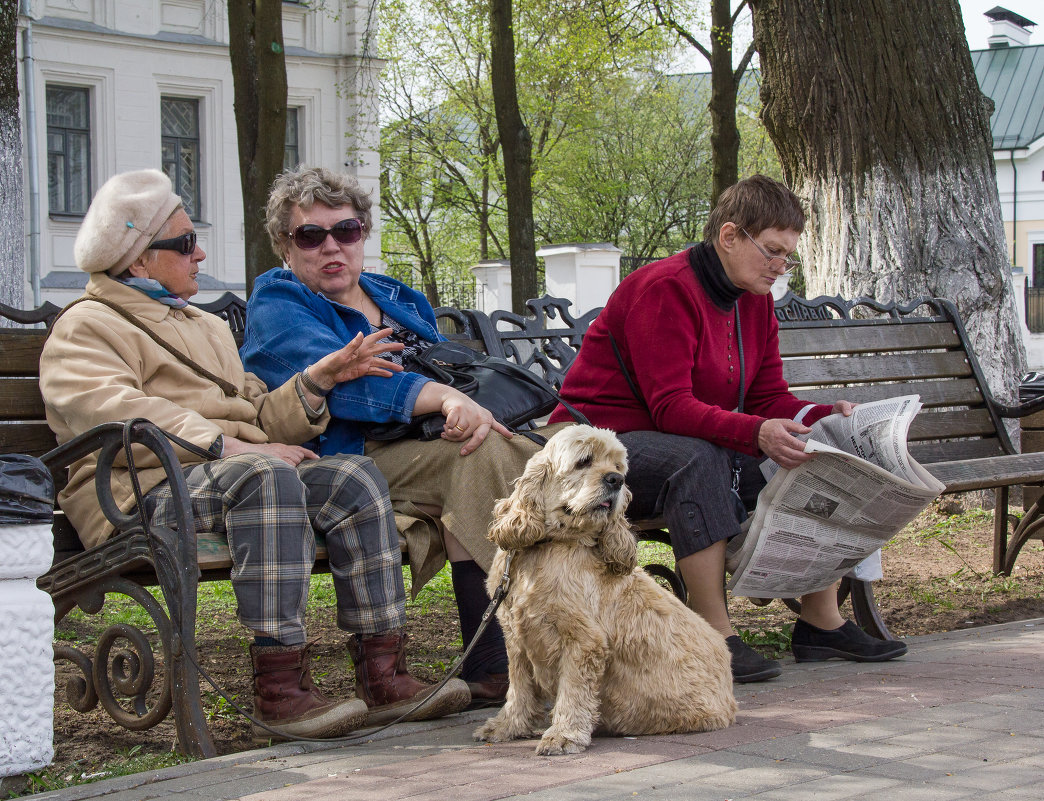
(305, 186)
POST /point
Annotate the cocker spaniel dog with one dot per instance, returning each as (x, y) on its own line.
(587, 630)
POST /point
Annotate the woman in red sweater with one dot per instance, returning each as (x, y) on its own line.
(663, 365)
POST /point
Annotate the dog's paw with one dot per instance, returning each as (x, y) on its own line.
(558, 742)
(495, 731)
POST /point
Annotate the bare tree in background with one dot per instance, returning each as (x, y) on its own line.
(725, 82)
(259, 78)
(12, 213)
(517, 147)
(882, 129)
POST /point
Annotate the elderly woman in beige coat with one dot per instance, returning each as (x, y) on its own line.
(104, 362)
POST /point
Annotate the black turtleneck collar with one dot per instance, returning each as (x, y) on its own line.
(711, 275)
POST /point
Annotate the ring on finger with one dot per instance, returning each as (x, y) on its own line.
(460, 427)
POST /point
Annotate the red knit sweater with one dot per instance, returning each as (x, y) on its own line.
(680, 350)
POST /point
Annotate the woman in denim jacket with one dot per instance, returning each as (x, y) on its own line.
(442, 491)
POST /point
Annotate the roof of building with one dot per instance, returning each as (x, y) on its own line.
(1014, 78)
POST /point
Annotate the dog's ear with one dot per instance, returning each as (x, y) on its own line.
(617, 544)
(518, 520)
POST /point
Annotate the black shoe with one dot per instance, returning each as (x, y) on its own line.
(747, 664)
(811, 644)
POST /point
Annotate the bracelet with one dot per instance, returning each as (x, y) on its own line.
(311, 386)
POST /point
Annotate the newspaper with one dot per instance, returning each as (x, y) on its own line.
(816, 522)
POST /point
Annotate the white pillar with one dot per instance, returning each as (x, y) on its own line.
(585, 274)
(26, 653)
(492, 285)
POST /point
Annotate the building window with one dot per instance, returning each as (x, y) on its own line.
(1038, 264)
(292, 149)
(68, 149)
(179, 127)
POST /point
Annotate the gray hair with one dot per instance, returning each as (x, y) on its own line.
(305, 186)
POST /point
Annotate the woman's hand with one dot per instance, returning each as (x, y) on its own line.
(466, 420)
(777, 441)
(291, 454)
(356, 359)
(843, 407)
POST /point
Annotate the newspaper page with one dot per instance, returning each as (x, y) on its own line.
(814, 523)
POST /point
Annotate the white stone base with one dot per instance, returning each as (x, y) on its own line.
(26, 654)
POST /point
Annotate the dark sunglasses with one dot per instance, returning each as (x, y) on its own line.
(309, 237)
(184, 244)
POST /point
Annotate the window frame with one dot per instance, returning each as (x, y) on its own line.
(195, 210)
(66, 132)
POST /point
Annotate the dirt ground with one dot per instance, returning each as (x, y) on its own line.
(937, 578)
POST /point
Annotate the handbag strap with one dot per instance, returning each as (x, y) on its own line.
(736, 469)
(230, 389)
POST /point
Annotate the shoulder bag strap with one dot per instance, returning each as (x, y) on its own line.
(230, 389)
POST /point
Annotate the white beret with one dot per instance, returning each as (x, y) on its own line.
(123, 218)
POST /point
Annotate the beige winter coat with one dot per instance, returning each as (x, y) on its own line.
(97, 368)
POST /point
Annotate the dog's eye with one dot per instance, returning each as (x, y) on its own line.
(585, 462)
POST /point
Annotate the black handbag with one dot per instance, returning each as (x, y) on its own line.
(512, 394)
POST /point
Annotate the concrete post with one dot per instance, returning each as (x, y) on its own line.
(492, 285)
(26, 654)
(586, 274)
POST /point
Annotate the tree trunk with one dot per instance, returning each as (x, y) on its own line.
(255, 30)
(725, 139)
(12, 242)
(882, 130)
(517, 147)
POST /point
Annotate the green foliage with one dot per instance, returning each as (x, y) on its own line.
(127, 762)
(621, 151)
(776, 641)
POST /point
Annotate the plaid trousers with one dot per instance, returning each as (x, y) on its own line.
(271, 511)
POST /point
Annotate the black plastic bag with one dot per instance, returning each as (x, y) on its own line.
(26, 490)
(1031, 387)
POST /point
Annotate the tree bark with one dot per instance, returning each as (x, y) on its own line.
(517, 147)
(12, 242)
(883, 131)
(255, 30)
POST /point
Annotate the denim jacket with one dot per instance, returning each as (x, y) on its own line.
(290, 327)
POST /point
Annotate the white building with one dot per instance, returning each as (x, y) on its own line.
(108, 86)
(1011, 72)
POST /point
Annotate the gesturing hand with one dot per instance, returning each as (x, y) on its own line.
(356, 359)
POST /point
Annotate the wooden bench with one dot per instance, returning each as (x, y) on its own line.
(832, 348)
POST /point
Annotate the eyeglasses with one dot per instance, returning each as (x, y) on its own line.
(788, 263)
(184, 244)
(309, 237)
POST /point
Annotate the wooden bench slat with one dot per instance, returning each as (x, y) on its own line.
(959, 392)
(949, 424)
(31, 437)
(955, 450)
(960, 476)
(894, 367)
(20, 351)
(867, 339)
(20, 398)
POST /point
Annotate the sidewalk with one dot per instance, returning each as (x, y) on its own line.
(961, 716)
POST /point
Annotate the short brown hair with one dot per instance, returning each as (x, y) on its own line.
(756, 204)
(305, 186)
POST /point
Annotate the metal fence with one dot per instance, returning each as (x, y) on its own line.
(1035, 309)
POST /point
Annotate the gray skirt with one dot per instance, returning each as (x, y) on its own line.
(464, 488)
(688, 482)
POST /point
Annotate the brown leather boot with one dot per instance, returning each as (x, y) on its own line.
(382, 681)
(286, 699)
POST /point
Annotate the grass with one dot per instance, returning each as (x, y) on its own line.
(126, 763)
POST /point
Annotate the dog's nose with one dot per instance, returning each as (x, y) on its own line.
(613, 480)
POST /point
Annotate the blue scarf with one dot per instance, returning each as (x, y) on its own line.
(155, 290)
